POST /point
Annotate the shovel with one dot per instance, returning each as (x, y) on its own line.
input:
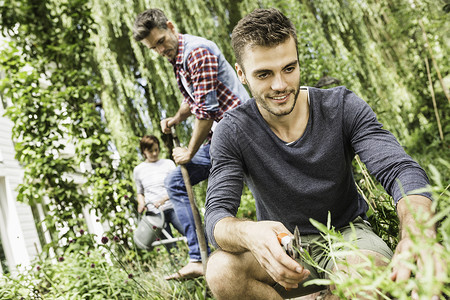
(197, 219)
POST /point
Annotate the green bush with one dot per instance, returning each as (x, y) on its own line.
(78, 274)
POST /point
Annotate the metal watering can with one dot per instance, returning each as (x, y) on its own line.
(150, 228)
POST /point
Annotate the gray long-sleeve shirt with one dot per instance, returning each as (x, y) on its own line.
(309, 177)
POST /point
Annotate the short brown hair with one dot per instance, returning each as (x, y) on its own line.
(146, 21)
(262, 27)
(147, 142)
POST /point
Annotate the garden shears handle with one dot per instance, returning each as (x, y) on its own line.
(293, 244)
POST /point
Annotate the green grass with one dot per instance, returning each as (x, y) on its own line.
(83, 269)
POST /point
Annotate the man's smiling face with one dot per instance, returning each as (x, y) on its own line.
(273, 76)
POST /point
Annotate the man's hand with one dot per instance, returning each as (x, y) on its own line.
(404, 250)
(272, 257)
(181, 155)
(182, 114)
(260, 238)
(166, 124)
(414, 213)
(428, 259)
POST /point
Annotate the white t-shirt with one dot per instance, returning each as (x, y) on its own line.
(149, 178)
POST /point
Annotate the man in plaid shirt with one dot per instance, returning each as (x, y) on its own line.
(210, 88)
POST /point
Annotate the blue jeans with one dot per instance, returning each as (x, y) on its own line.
(170, 217)
(198, 169)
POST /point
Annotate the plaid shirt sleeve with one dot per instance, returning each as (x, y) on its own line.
(203, 67)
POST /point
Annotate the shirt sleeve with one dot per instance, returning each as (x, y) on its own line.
(380, 151)
(225, 181)
(137, 180)
(204, 69)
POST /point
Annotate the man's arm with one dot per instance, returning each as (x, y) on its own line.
(260, 238)
(199, 134)
(203, 67)
(399, 174)
(410, 225)
(236, 235)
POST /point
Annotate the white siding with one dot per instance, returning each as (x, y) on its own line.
(12, 212)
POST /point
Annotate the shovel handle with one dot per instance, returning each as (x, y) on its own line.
(176, 142)
(195, 212)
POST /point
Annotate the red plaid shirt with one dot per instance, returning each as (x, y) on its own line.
(202, 74)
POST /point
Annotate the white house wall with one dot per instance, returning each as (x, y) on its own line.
(17, 227)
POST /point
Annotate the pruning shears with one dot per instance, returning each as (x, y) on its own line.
(293, 245)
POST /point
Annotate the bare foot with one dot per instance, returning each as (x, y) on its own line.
(191, 270)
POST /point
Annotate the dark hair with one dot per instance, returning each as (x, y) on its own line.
(146, 21)
(147, 142)
(262, 27)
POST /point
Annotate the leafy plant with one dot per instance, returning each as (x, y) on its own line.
(373, 282)
(87, 270)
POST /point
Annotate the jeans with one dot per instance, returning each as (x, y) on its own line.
(170, 217)
(198, 169)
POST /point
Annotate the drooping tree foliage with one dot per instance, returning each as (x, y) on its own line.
(83, 91)
(54, 83)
